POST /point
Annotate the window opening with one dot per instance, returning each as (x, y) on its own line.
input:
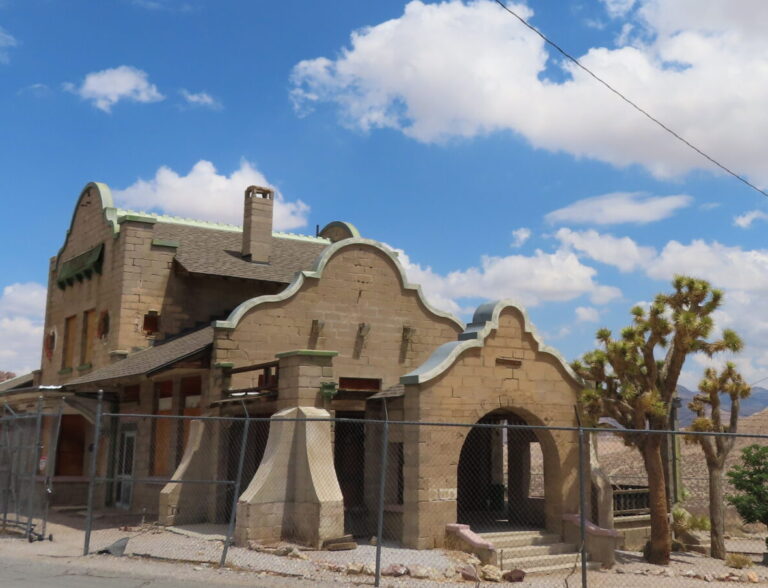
(88, 337)
(70, 336)
(151, 323)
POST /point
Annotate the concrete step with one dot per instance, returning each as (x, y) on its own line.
(634, 537)
(631, 521)
(534, 550)
(536, 562)
(507, 539)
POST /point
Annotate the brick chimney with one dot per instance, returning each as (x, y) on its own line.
(257, 223)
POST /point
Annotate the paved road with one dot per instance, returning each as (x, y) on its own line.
(45, 573)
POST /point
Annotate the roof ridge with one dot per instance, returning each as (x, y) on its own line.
(203, 224)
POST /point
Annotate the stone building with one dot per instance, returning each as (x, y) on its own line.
(171, 316)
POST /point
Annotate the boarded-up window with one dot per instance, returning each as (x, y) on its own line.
(89, 336)
(70, 337)
(162, 438)
(360, 384)
(151, 323)
(70, 452)
(131, 394)
(191, 389)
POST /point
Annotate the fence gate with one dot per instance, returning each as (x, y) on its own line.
(27, 466)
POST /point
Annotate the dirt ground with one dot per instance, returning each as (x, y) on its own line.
(194, 552)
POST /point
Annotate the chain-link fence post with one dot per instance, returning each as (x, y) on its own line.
(380, 503)
(235, 493)
(50, 470)
(7, 463)
(34, 465)
(92, 473)
(582, 507)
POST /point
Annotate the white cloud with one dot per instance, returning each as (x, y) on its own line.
(604, 294)
(743, 275)
(531, 280)
(7, 41)
(587, 314)
(745, 220)
(732, 268)
(619, 207)
(205, 194)
(462, 69)
(167, 5)
(618, 8)
(107, 87)
(622, 253)
(202, 99)
(520, 236)
(37, 90)
(22, 308)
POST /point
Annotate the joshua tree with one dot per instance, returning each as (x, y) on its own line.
(709, 418)
(636, 389)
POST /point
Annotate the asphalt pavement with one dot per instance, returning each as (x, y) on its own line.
(45, 573)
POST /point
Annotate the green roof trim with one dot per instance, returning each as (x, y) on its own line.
(165, 243)
(307, 352)
(81, 267)
(136, 218)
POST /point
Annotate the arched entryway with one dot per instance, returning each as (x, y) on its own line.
(501, 476)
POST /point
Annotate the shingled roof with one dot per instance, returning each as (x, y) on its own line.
(151, 359)
(22, 381)
(210, 250)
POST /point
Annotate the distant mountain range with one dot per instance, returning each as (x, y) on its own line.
(756, 402)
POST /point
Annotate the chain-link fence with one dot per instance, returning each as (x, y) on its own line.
(27, 467)
(371, 500)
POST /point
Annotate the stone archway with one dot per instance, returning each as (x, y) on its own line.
(500, 475)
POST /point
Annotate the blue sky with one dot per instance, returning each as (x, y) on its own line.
(444, 129)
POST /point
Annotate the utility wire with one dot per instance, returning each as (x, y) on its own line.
(575, 61)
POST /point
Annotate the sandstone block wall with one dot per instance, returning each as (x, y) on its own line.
(539, 391)
(360, 285)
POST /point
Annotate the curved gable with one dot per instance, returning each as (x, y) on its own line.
(485, 323)
(317, 273)
(355, 301)
(94, 205)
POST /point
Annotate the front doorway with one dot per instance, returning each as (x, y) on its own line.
(500, 474)
(125, 463)
(349, 461)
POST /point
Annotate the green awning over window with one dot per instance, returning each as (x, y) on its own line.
(81, 267)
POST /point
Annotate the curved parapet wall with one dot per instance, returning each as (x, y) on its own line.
(107, 205)
(317, 272)
(484, 321)
(338, 231)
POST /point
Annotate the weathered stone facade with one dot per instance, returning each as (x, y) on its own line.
(209, 320)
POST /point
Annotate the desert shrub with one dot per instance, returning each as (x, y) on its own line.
(738, 561)
(681, 520)
(700, 523)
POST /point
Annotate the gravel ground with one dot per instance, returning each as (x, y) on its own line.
(196, 552)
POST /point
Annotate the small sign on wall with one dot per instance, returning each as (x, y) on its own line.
(43, 463)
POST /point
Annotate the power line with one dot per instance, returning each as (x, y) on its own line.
(575, 61)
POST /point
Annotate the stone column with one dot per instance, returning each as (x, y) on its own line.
(295, 493)
(302, 374)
